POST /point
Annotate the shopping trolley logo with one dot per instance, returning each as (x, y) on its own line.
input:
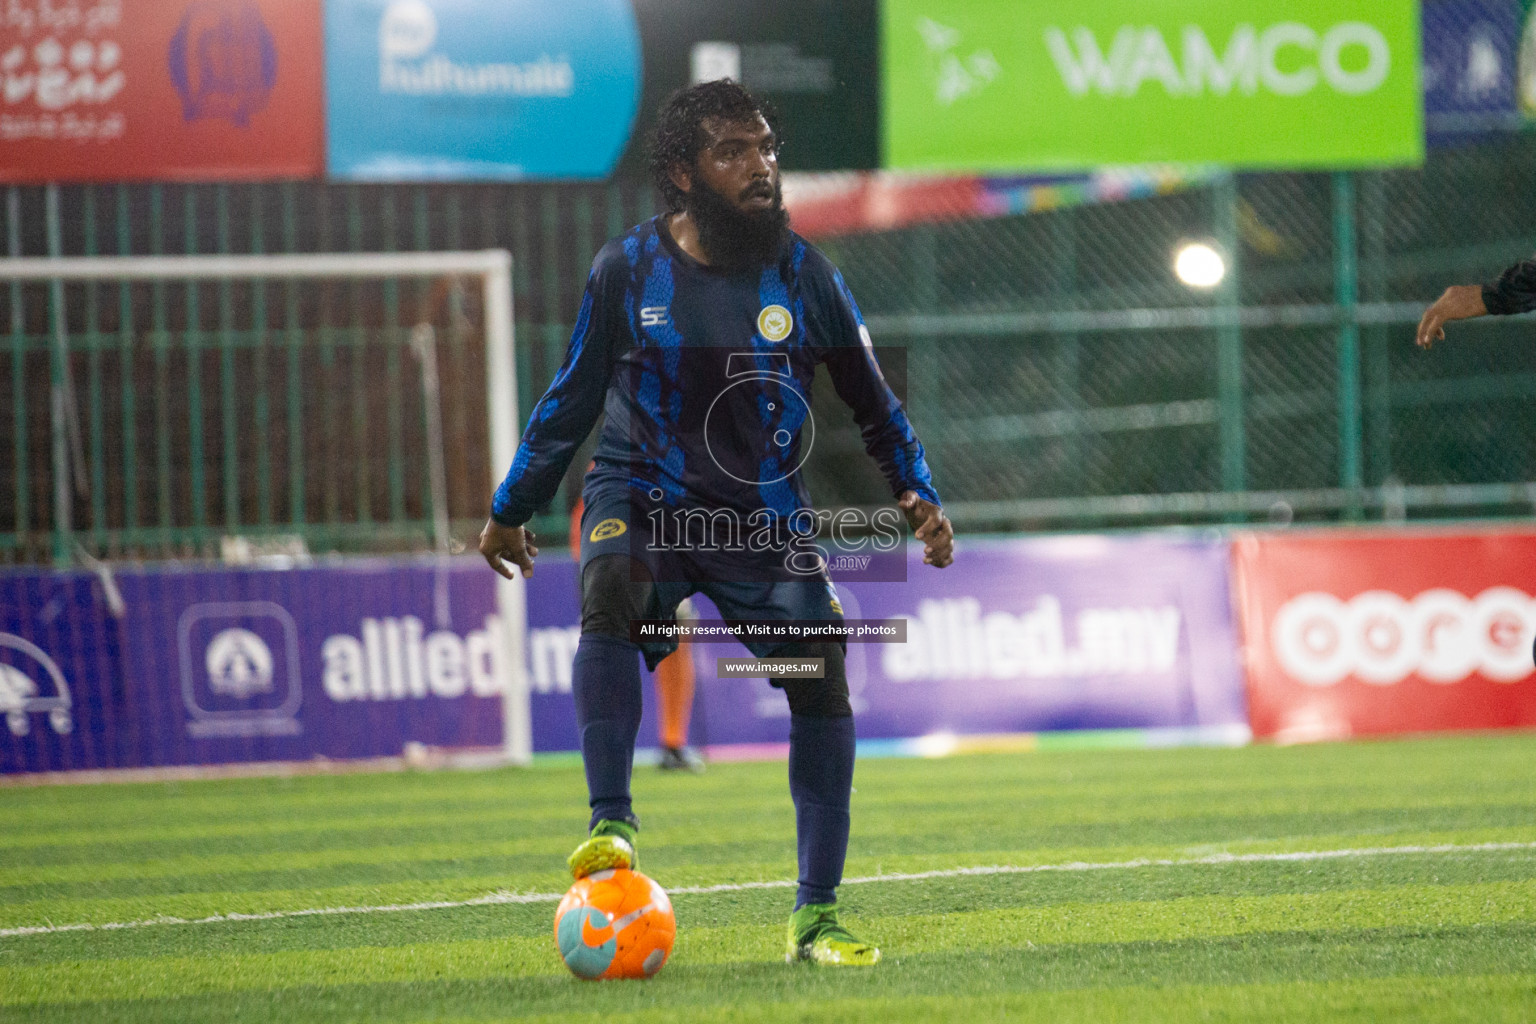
(1381, 638)
(32, 684)
(239, 669)
(239, 664)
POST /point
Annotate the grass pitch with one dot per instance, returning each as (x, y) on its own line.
(1426, 912)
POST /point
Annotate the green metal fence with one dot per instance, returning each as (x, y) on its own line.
(1058, 373)
(1061, 376)
(286, 413)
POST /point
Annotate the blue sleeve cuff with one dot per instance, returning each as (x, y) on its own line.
(923, 491)
(509, 518)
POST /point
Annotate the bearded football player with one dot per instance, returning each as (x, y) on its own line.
(698, 336)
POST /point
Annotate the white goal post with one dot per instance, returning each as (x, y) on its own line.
(493, 268)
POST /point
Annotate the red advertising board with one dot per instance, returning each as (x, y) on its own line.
(1352, 634)
(112, 90)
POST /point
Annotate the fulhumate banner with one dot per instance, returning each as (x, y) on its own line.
(1004, 84)
(478, 89)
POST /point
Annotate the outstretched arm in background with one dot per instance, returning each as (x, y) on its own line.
(1460, 302)
(1513, 292)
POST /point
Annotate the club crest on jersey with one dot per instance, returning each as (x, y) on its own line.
(775, 323)
(606, 529)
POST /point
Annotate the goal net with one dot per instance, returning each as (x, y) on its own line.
(255, 408)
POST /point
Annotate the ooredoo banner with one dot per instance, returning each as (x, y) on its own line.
(111, 90)
(1364, 633)
(1030, 84)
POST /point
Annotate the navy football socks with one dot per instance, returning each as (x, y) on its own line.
(606, 684)
(820, 781)
(605, 680)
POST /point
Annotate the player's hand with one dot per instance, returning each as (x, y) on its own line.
(514, 543)
(932, 527)
(1460, 302)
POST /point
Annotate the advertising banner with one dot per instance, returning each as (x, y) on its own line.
(1364, 633)
(211, 667)
(359, 660)
(816, 61)
(1527, 72)
(479, 89)
(1000, 84)
(827, 205)
(1471, 69)
(1025, 635)
(1016, 636)
(112, 90)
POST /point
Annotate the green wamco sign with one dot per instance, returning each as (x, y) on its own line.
(1024, 84)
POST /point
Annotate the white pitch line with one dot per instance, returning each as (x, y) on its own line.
(501, 898)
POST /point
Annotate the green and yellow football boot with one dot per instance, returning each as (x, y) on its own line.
(815, 935)
(611, 845)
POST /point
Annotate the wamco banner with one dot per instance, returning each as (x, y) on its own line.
(1005, 84)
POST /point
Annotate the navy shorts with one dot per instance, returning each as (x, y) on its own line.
(741, 590)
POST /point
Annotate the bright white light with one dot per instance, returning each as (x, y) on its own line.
(937, 744)
(1199, 265)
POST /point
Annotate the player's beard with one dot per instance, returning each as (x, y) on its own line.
(734, 238)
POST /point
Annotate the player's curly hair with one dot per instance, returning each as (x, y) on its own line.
(679, 133)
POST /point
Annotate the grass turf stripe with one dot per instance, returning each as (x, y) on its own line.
(659, 849)
(1160, 921)
(951, 817)
(1059, 789)
(977, 871)
(1484, 762)
(768, 906)
(1486, 999)
(1254, 959)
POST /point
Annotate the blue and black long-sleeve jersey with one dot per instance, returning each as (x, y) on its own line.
(705, 377)
(1514, 291)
